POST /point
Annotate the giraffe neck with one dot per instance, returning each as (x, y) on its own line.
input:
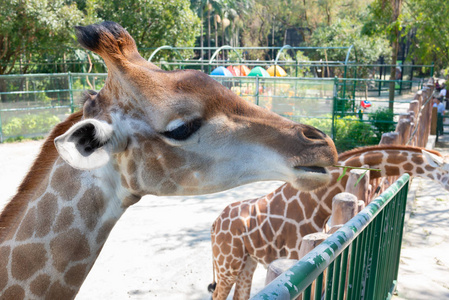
(55, 236)
(392, 161)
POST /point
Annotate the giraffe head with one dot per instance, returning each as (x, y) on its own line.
(181, 132)
(441, 165)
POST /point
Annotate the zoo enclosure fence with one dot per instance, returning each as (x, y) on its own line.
(32, 104)
(359, 261)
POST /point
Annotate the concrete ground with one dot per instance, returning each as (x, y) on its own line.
(160, 249)
(424, 265)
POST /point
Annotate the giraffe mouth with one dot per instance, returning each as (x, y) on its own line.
(319, 170)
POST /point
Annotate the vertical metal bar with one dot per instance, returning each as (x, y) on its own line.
(257, 90)
(319, 286)
(371, 287)
(1, 128)
(336, 279)
(334, 108)
(360, 265)
(343, 274)
(354, 252)
(72, 104)
(329, 281)
(307, 293)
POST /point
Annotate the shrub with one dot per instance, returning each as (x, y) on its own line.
(30, 124)
(350, 132)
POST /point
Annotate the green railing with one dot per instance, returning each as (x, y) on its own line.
(359, 261)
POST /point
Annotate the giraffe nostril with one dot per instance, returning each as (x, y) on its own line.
(314, 134)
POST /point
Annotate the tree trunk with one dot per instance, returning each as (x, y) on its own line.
(396, 5)
(208, 33)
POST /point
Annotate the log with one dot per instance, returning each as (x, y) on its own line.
(344, 208)
(360, 189)
(390, 138)
(404, 129)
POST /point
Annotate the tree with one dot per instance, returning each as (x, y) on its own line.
(386, 18)
(428, 19)
(34, 28)
(154, 23)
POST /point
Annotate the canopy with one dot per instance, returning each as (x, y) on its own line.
(244, 70)
(234, 71)
(259, 71)
(280, 72)
(221, 71)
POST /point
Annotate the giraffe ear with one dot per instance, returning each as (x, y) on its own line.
(433, 160)
(86, 144)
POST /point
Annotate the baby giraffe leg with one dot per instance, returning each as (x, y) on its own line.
(244, 280)
(224, 286)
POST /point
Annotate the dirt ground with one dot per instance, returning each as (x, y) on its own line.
(160, 249)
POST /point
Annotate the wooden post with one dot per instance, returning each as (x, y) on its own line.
(433, 125)
(360, 189)
(360, 205)
(277, 267)
(309, 242)
(333, 229)
(404, 130)
(414, 107)
(344, 208)
(390, 138)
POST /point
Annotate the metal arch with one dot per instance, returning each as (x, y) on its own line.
(162, 48)
(349, 52)
(222, 48)
(280, 51)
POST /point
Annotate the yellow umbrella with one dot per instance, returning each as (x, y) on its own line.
(279, 71)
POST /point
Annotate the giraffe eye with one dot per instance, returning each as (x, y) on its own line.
(181, 130)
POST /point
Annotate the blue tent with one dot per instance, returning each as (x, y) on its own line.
(221, 71)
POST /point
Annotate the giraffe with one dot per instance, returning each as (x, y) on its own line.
(147, 131)
(262, 230)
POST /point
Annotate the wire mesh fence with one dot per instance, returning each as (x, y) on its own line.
(354, 112)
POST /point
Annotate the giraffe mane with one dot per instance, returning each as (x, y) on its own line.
(360, 150)
(41, 166)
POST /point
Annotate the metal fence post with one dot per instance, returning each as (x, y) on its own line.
(72, 105)
(1, 128)
(334, 106)
(257, 90)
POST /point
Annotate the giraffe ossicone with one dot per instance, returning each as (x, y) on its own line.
(262, 230)
(147, 131)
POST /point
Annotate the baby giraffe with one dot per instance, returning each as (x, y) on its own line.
(271, 227)
(146, 131)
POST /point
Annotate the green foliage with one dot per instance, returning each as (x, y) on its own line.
(154, 23)
(35, 29)
(30, 124)
(345, 32)
(382, 120)
(350, 132)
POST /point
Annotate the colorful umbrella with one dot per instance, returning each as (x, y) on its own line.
(365, 103)
(259, 71)
(221, 71)
(234, 70)
(244, 70)
(280, 72)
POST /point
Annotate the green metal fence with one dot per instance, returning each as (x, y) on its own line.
(31, 104)
(359, 261)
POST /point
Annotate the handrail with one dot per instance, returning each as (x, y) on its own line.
(291, 283)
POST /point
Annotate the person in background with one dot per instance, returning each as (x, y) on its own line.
(440, 114)
(437, 86)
